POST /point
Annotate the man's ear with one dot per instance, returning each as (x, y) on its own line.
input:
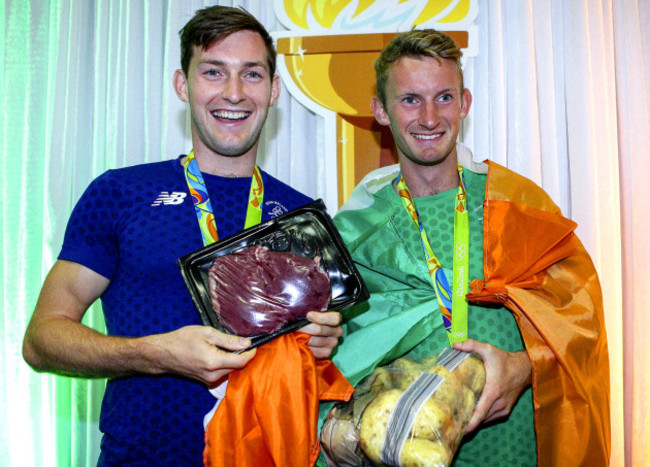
(276, 86)
(378, 110)
(180, 85)
(466, 104)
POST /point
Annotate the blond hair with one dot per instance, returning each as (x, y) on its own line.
(415, 43)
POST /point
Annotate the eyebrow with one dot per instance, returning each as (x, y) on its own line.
(250, 64)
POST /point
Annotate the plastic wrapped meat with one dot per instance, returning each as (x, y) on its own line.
(258, 291)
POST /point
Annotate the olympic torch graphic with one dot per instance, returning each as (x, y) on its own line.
(328, 55)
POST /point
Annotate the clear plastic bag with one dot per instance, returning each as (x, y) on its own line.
(407, 413)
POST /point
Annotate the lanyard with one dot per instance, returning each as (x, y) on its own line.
(202, 204)
(448, 298)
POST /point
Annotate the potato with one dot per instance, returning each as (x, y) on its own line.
(424, 453)
(380, 379)
(471, 373)
(404, 372)
(374, 421)
(450, 390)
(433, 422)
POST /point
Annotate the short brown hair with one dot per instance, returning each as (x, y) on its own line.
(415, 43)
(215, 23)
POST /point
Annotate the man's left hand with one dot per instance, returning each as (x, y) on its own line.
(507, 375)
(325, 330)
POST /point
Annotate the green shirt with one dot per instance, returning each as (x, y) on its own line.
(511, 441)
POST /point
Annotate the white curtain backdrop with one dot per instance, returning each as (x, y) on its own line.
(561, 94)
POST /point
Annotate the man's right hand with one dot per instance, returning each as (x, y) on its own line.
(507, 375)
(196, 352)
(57, 342)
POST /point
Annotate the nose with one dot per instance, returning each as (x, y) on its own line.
(429, 116)
(233, 90)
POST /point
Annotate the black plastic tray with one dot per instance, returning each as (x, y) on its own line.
(306, 231)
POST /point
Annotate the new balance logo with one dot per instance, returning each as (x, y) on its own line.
(164, 197)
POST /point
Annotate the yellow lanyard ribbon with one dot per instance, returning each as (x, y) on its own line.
(452, 301)
(203, 207)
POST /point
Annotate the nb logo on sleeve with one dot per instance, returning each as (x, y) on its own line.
(176, 197)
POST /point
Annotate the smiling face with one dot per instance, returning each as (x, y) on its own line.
(424, 105)
(230, 90)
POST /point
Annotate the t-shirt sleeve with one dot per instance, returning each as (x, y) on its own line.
(91, 234)
(299, 200)
(291, 197)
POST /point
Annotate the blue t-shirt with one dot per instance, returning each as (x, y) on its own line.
(131, 226)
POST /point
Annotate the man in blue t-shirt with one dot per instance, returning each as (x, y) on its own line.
(126, 234)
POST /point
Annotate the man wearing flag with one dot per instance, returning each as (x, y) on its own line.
(474, 256)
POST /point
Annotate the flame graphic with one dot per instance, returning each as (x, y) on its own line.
(326, 58)
(348, 15)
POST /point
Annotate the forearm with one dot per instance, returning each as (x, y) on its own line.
(57, 342)
(524, 370)
(64, 346)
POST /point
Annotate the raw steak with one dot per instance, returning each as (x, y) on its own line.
(257, 291)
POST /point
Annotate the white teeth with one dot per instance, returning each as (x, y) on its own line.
(229, 114)
(438, 135)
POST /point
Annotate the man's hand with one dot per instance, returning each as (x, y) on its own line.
(325, 331)
(196, 352)
(507, 375)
